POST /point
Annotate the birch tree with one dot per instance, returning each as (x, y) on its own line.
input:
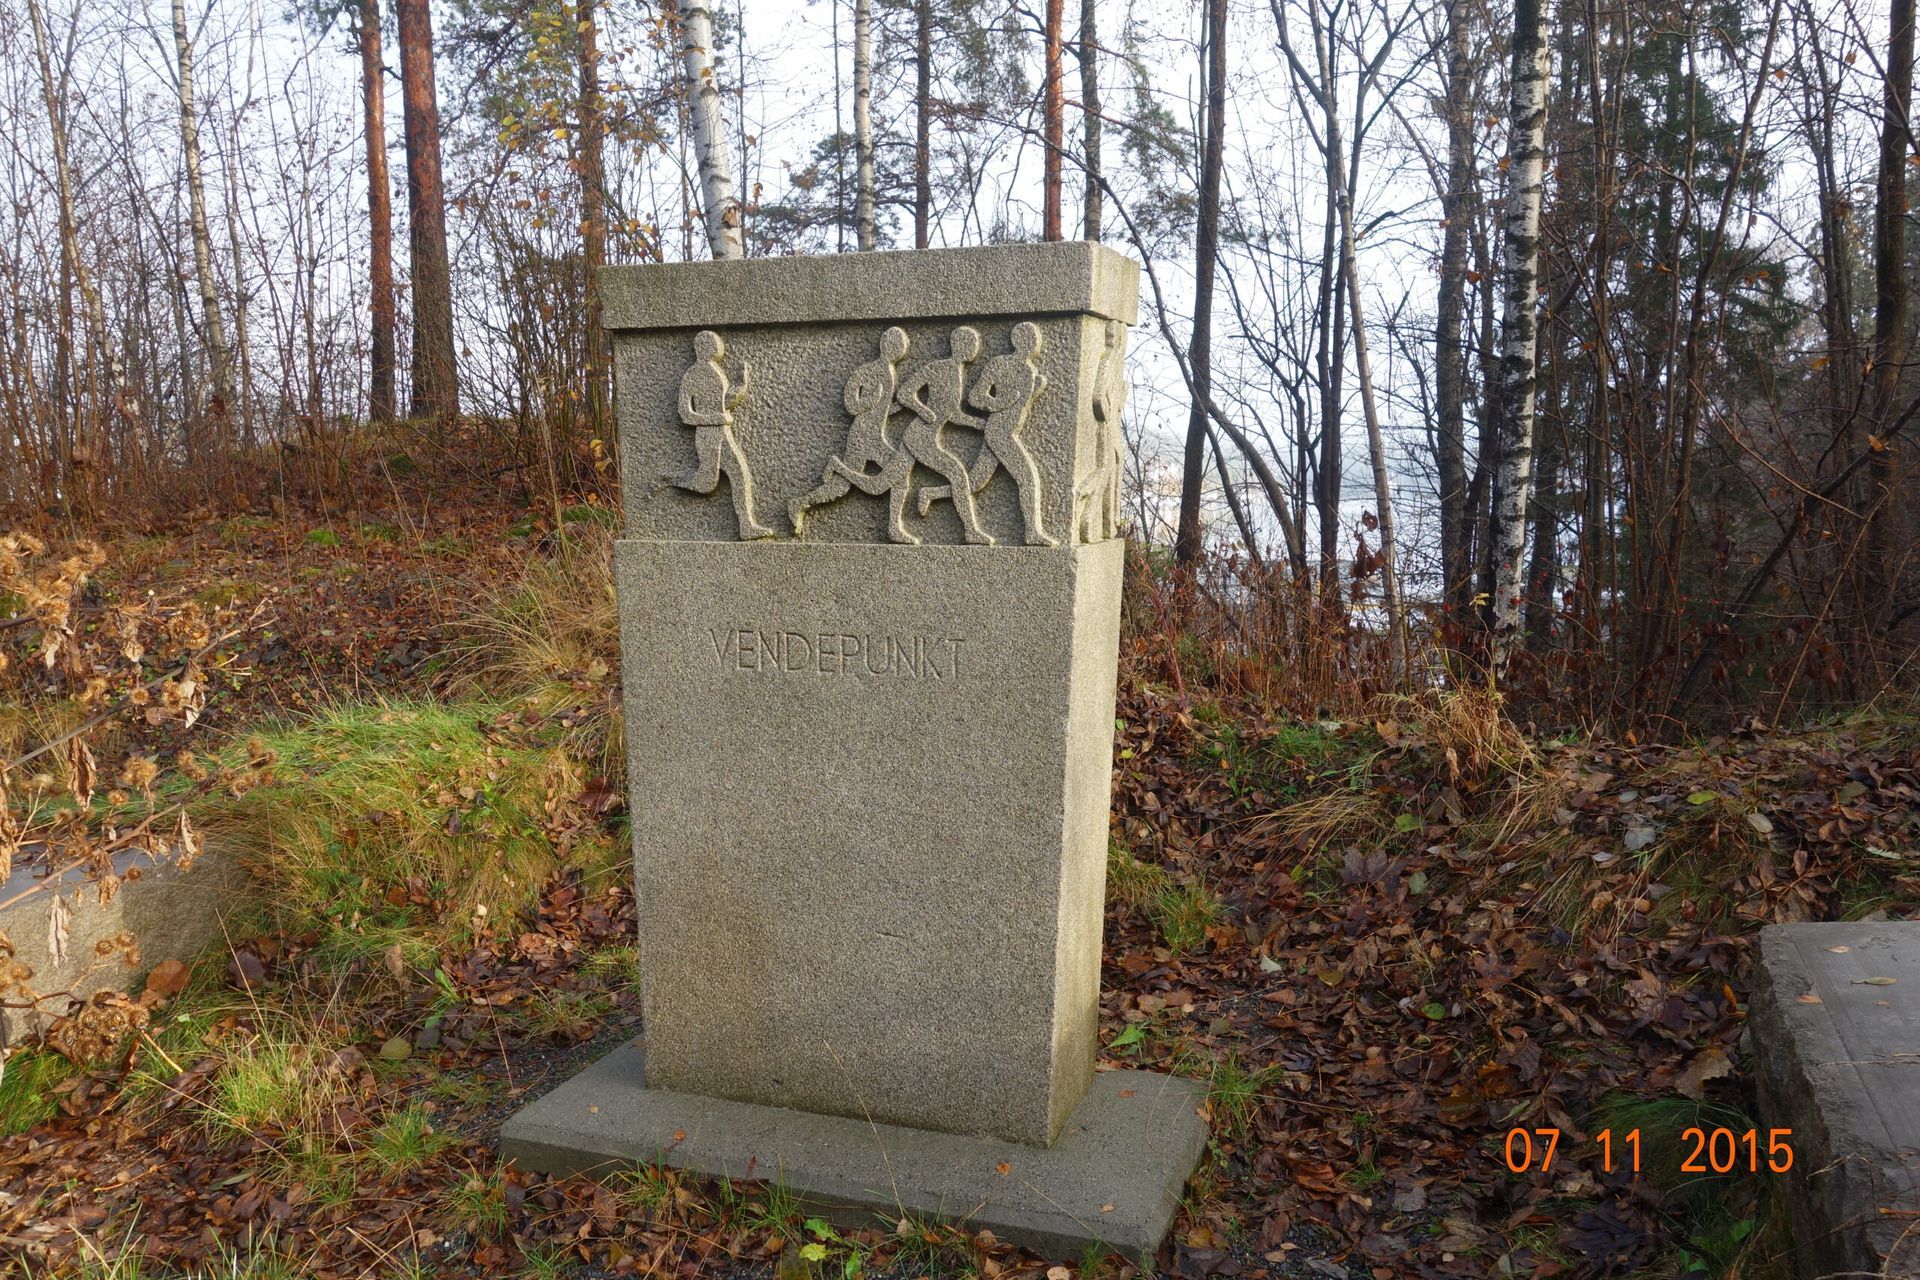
(1449, 355)
(922, 121)
(863, 122)
(1089, 51)
(593, 215)
(1519, 325)
(1053, 110)
(1187, 538)
(708, 121)
(219, 365)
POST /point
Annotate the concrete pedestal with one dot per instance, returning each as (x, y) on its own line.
(1111, 1180)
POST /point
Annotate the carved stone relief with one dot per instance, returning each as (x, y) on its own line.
(1097, 496)
(707, 404)
(909, 418)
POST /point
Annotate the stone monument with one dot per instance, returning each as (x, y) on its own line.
(869, 593)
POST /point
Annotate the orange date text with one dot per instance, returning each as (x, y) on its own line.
(1702, 1150)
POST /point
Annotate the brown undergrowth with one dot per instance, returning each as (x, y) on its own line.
(1384, 927)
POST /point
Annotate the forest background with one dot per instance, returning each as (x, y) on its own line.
(1579, 331)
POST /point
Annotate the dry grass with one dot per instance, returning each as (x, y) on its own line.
(551, 640)
(394, 823)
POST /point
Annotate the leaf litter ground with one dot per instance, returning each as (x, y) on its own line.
(1382, 954)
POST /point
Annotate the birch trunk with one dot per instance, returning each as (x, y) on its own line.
(1187, 534)
(1376, 445)
(1053, 111)
(71, 450)
(1519, 322)
(922, 122)
(708, 119)
(219, 366)
(862, 122)
(593, 218)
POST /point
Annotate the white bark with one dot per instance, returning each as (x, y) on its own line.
(863, 120)
(1518, 354)
(709, 122)
(220, 375)
(69, 222)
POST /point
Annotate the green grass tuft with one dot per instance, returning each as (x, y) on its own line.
(30, 1081)
(369, 807)
(405, 1140)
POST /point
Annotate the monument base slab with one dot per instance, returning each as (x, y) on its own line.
(1111, 1179)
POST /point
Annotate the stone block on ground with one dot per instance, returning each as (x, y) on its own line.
(1836, 1037)
(171, 914)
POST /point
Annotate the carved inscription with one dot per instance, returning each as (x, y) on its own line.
(868, 656)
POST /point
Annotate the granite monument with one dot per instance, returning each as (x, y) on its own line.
(869, 591)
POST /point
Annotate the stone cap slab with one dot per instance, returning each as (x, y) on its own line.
(1060, 278)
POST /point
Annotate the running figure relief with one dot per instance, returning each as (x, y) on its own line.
(1005, 390)
(1096, 500)
(869, 398)
(934, 395)
(707, 404)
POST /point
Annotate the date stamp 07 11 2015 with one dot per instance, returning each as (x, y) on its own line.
(1714, 1150)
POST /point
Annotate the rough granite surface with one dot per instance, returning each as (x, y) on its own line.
(1113, 1180)
(1022, 280)
(1837, 1048)
(870, 821)
(173, 915)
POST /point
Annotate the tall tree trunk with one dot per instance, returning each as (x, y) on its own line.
(839, 145)
(1376, 445)
(1187, 543)
(248, 437)
(1543, 573)
(709, 126)
(436, 386)
(1089, 50)
(1450, 448)
(593, 218)
(219, 364)
(922, 122)
(1053, 111)
(863, 122)
(1519, 322)
(72, 453)
(373, 95)
(1889, 305)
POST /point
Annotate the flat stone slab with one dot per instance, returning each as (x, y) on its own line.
(1113, 1177)
(1836, 1034)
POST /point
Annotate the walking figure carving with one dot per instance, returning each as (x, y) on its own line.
(869, 398)
(1005, 390)
(1097, 498)
(707, 404)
